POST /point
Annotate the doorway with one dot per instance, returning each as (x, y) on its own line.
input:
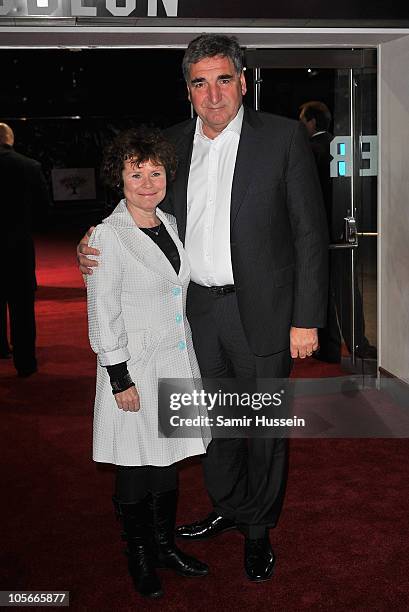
(346, 82)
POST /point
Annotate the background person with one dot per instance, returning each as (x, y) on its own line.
(317, 119)
(24, 195)
(138, 328)
(316, 116)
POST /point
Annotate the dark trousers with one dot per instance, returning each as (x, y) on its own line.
(341, 275)
(22, 328)
(17, 291)
(245, 478)
(4, 343)
(133, 483)
(329, 337)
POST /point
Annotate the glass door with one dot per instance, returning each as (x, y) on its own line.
(344, 143)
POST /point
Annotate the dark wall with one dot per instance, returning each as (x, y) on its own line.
(294, 9)
(93, 83)
(64, 106)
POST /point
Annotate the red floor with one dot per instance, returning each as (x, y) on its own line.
(342, 543)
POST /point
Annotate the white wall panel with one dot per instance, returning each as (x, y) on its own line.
(394, 207)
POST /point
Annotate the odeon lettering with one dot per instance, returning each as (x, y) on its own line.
(88, 8)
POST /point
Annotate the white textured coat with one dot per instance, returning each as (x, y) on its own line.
(136, 313)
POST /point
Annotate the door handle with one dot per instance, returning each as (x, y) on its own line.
(350, 232)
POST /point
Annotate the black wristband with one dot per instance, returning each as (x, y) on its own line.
(122, 384)
(117, 371)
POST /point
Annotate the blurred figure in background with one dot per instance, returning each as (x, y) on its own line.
(317, 119)
(23, 193)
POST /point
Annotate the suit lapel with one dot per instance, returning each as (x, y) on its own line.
(247, 154)
(179, 192)
(142, 247)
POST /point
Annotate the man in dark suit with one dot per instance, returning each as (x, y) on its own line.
(24, 193)
(249, 211)
(317, 119)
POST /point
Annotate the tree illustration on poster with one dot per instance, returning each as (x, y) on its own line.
(73, 182)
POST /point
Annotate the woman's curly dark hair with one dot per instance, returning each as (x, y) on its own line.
(140, 145)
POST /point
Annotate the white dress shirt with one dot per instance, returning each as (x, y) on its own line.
(207, 241)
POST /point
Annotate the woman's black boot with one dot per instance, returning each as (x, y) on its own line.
(168, 554)
(137, 523)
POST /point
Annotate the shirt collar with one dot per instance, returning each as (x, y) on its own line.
(234, 126)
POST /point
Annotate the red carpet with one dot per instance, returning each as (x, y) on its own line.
(342, 543)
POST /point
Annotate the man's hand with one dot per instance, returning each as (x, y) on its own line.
(128, 400)
(83, 250)
(303, 341)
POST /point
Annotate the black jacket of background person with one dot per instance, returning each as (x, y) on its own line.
(320, 145)
(278, 229)
(24, 196)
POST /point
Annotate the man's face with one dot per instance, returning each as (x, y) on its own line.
(215, 90)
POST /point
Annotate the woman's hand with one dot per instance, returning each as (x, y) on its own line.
(128, 400)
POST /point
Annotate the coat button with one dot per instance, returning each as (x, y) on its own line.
(176, 290)
(181, 345)
(178, 318)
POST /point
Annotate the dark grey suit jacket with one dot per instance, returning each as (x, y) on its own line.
(24, 198)
(278, 227)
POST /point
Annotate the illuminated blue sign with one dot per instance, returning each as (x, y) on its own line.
(341, 151)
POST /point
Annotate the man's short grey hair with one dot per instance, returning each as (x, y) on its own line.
(210, 45)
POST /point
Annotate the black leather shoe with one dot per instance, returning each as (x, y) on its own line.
(26, 373)
(367, 352)
(258, 559)
(327, 357)
(171, 557)
(211, 526)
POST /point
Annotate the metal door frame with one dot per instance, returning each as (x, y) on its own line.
(350, 59)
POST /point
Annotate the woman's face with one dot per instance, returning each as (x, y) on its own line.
(144, 184)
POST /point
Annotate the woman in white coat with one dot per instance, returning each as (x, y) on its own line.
(139, 330)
